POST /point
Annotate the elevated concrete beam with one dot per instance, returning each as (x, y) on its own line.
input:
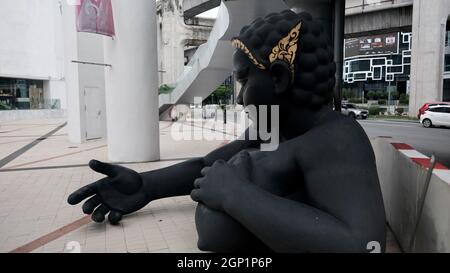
(193, 8)
(378, 22)
(365, 6)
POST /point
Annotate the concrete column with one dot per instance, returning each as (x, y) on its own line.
(132, 83)
(429, 22)
(71, 74)
(338, 43)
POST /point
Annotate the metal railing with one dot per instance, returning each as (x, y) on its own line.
(367, 3)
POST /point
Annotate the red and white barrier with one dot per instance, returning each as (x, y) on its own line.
(440, 170)
(403, 172)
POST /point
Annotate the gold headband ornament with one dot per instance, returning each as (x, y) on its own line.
(285, 50)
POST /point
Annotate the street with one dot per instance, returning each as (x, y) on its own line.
(426, 141)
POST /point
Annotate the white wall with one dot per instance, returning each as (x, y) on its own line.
(80, 47)
(29, 39)
(31, 44)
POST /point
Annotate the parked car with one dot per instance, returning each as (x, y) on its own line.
(210, 111)
(352, 111)
(436, 116)
(427, 105)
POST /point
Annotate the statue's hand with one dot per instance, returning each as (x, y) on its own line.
(121, 192)
(221, 181)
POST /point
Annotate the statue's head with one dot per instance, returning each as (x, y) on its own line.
(284, 57)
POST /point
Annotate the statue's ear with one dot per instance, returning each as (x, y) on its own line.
(281, 75)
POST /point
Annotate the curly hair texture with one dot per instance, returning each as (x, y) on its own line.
(314, 67)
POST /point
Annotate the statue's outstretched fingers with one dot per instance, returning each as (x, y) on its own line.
(198, 183)
(82, 194)
(103, 168)
(114, 217)
(205, 171)
(195, 195)
(100, 213)
(90, 205)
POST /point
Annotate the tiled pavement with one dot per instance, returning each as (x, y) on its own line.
(34, 188)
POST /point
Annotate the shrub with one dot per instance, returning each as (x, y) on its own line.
(165, 89)
(404, 99)
(382, 102)
(394, 95)
(347, 93)
(372, 95)
(374, 110)
(381, 95)
(357, 100)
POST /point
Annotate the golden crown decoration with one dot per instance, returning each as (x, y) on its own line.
(285, 50)
(240, 45)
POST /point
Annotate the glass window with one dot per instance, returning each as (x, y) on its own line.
(446, 91)
(379, 61)
(447, 36)
(361, 65)
(18, 94)
(447, 63)
(438, 110)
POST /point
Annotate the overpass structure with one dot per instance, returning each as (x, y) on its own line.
(175, 35)
(192, 8)
(424, 30)
(211, 64)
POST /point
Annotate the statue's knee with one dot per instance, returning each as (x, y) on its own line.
(218, 232)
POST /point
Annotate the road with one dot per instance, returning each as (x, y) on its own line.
(426, 141)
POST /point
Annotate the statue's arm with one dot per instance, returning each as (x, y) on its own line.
(177, 180)
(286, 225)
(345, 210)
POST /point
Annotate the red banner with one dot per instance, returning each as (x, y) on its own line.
(95, 16)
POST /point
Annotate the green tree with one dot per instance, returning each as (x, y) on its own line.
(381, 95)
(221, 94)
(404, 99)
(346, 93)
(165, 89)
(372, 95)
(395, 95)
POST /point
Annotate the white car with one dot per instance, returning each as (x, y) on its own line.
(436, 116)
(354, 112)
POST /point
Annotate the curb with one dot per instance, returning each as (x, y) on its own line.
(397, 120)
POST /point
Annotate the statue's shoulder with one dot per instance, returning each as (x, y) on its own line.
(337, 133)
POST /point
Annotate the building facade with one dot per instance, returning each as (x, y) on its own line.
(419, 68)
(377, 62)
(31, 56)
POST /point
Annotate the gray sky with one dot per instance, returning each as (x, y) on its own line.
(210, 13)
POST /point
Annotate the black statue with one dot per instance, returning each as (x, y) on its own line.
(318, 192)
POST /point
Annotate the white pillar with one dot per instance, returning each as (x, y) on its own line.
(427, 62)
(71, 74)
(132, 83)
